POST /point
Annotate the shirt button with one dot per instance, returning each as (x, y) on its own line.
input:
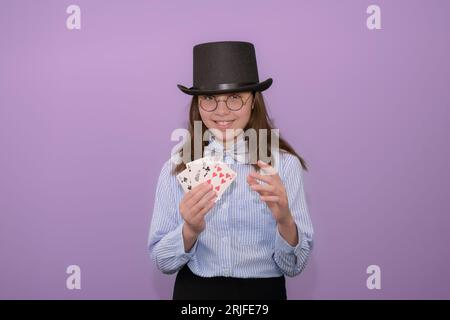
(225, 205)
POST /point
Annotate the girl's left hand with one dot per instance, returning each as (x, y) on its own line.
(273, 193)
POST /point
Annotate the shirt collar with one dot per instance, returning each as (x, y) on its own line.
(237, 151)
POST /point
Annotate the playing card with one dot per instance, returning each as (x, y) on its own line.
(185, 180)
(221, 178)
(200, 169)
(207, 169)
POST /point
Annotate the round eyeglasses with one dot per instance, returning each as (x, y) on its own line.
(234, 102)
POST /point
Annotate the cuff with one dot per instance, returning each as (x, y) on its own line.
(176, 238)
(282, 245)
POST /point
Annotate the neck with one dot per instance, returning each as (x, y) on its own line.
(227, 143)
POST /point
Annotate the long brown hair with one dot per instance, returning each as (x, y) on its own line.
(259, 119)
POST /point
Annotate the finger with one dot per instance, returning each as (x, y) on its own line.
(201, 186)
(202, 213)
(251, 180)
(198, 193)
(203, 202)
(266, 169)
(272, 199)
(268, 188)
(256, 175)
(194, 190)
(262, 193)
(206, 209)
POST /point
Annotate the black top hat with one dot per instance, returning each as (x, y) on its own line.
(225, 66)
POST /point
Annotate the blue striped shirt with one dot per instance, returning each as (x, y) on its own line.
(241, 238)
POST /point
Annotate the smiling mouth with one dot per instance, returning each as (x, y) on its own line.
(224, 124)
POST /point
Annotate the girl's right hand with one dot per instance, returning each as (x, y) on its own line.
(195, 205)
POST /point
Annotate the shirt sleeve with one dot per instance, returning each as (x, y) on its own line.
(165, 242)
(292, 259)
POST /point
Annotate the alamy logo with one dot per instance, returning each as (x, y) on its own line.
(374, 280)
(256, 147)
(374, 20)
(74, 279)
(74, 20)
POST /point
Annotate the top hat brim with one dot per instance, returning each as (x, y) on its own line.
(261, 86)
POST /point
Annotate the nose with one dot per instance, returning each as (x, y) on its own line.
(222, 108)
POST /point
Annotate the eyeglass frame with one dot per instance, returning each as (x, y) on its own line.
(226, 104)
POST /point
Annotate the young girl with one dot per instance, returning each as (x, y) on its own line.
(242, 246)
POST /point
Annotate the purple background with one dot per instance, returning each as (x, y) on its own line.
(86, 118)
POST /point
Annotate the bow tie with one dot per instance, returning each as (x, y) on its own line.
(237, 151)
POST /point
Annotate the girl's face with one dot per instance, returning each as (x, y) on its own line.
(232, 112)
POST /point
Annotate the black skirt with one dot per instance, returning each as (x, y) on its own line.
(189, 286)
